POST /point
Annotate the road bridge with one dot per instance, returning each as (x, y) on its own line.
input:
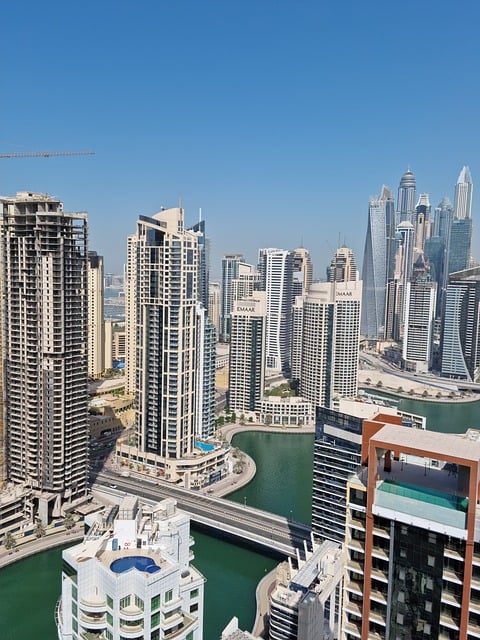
(271, 532)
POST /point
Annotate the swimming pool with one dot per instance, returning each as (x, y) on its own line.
(141, 563)
(204, 446)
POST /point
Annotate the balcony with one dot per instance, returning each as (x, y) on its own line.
(447, 621)
(353, 629)
(93, 621)
(131, 630)
(377, 617)
(93, 604)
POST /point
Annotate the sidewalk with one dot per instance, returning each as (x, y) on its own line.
(31, 545)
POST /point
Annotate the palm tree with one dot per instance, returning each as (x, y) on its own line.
(39, 530)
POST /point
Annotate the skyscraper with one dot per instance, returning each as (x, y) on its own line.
(422, 222)
(214, 305)
(412, 544)
(96, 324)
(378, 261)
(173, 359)
(230, 264)
(302, 271)
(247, 352)
(343, 266)
(419, 319)
(460, 239)
(461, 326)
(276, 277)
(44, 308)
(330, 342)
(406, 197)
(463, 195)
(246, 282)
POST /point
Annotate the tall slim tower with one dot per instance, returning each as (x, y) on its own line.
(230, 264)
(276, 274)
(419, 316)
(422, 222)
(463, 195)
(378, 262)
(406, 197)
(214, 305)
(96, 323)
(173, 337)
(43, 253)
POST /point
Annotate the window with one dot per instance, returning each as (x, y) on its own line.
(189, 635)
(155, 603)
(125, 602)
(194, 607)
(431, 561)
(194, 593)
(155, 620)
(74, 592)
(109, 618)
(109, 602)
(428, 606)
(169, 595)
(139, 602)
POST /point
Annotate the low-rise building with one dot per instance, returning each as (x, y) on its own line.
(290, 411)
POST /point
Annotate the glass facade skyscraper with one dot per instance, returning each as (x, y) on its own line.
(378, 262)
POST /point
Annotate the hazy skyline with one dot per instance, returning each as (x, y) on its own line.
(279, 119)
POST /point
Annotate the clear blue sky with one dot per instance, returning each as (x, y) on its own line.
(279, 119)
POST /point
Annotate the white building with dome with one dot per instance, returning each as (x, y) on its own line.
(131, 577)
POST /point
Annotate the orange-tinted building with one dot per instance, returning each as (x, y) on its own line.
(413, 537)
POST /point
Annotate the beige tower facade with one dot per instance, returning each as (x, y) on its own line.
(214, 296)
(330, 342)
(247, 352)
(96, 328)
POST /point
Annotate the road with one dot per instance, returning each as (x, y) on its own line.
(271, 531)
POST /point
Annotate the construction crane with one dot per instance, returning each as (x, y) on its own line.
(46, 154)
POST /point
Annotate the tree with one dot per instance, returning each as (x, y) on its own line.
(9, 541)
(379, 384)
(69, 521)
(39, 530)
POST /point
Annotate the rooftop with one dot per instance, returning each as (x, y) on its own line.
(441, 446)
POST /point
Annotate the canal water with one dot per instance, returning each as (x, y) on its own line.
(30, 588)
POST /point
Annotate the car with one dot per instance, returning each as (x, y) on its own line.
(112, 486)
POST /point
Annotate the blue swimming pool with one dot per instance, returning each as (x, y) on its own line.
(204, 446)
(141, 563)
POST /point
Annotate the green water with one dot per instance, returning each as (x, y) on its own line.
(30, 588)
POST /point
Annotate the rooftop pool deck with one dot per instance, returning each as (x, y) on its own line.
(141, 563)
(425, 494)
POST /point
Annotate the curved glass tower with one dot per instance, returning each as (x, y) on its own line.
(378, 261)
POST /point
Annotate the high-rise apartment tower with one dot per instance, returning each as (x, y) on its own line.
(43, 254)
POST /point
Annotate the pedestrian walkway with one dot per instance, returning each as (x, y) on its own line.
(32, 545)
